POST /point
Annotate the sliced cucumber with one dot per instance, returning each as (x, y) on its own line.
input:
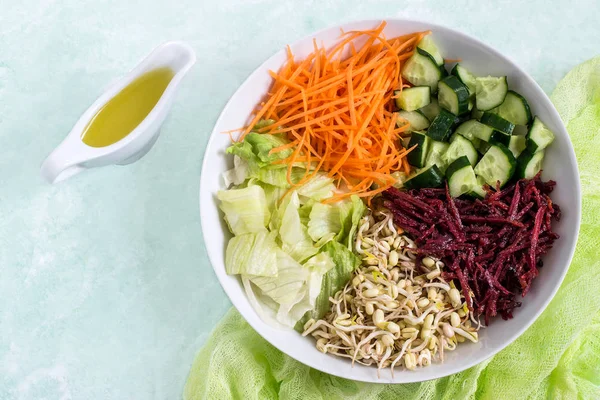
(517, 144)
(476, 114)
(483, 147)
(431, 110)
(436, 153)
(500, 138)
(539, 136)
(515, 109)
(469, 128)
(520, 130)
(430, 47)
(422, 70)
(441, 127)
(459, 147)
(490, 92)
(417, 156)
(497, 122)
(497, 165)
(459, 120)
(416, 120)
(461, 178)
(411, 99)
(477, 130)
(478, 191)
(529, 164)
(453, 95)
(429, 177)
(465, 77)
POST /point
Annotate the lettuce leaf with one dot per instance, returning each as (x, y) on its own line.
(245, 209)
(252, 254)
(345, 263)
(287, 284)
(238, 174)
(318, 188)
(293, 234)
(324, 221)
(350, 214)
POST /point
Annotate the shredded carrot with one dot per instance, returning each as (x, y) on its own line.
(452, 60)
(336, 108)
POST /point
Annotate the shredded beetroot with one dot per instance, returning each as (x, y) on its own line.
(492, 247)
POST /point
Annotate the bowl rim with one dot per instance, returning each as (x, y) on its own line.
(576, 206)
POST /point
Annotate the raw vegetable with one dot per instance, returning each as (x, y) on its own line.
(252, 254)
(496, 166)
(461, 178)
(441, 127)
(245, 209)
(379, 312)
(411, 99)
(430, 47)
(419, 142)
(515, 109)
(465, 77)
(416, 120)
(429, 177)
(282, 234)
(421, 69)
(453, 95)
(490, 92)
(431, 110)
(345, 263)
(336, 114)
(539, 136)
(493, 247)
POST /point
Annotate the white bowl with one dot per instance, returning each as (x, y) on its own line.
(560, 165)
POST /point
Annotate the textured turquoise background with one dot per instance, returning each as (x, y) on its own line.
(105, 288)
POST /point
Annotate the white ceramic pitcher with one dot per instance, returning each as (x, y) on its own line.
(73, 155)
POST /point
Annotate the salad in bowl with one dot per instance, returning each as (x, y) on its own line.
(387, 204)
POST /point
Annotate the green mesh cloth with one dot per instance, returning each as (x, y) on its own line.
(557, 358)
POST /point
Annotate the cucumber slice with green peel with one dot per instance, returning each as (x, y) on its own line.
(422, 70)
(430, 47)
(517, 144)
(459, 147)
(461, 178)
(497, 122)
(436, 153)
(520, 130)
(441, 127)
(483, 147)
(417, 156)
(477, 130)
(465, 77)
(429, 177)
(515, 109)
(539, 136)
(411, 99)
(431, 110)
(469, 128)
(529, 164)
(453, 95)
(459, 120)
(490, 92)
(497, 165)
(416, 120)
(478, 191)
(500, 138)
(475, 113)
(475, 141)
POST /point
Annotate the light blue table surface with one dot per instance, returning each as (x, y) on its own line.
(106, 291)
